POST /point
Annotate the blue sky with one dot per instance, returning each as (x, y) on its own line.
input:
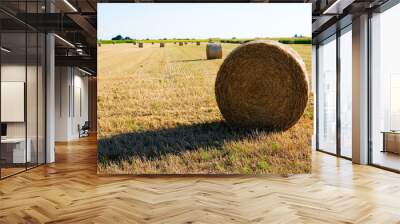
(154, 21)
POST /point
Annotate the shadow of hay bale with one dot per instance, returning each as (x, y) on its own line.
(156, 143)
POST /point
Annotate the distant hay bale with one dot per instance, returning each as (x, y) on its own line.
(197, 43)
(134, 43)
(152, 43)
(162, 44)
(140, 45)
(99, 44)
(185, 43)
(180, 43)
(213, 51)
(262, 84)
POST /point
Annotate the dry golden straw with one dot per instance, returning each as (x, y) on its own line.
(262, 84)
(213, 51)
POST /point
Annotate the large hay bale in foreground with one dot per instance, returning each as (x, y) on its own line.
(140, 45)
(213, 51)
(162, 44)
(180, 43)
(262, 84)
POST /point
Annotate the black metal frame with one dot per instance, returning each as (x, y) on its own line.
(36, 164)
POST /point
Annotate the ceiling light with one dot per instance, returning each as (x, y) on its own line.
(64, 40)
(338, 6)
(5, 50)
(70, 5)
(84, 71)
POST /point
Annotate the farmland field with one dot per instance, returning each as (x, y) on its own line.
(157, 114)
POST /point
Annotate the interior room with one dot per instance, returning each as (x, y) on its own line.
(356, 68)
(46, 81)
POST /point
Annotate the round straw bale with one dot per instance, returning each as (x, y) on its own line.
(140, 45)
(197, 43)
(162, 44)
(99, 44)
(180, 43)
(213, 51)
(262, 84)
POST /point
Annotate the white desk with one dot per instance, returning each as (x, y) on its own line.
(18, 151)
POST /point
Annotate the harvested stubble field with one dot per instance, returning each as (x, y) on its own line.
(157, 114)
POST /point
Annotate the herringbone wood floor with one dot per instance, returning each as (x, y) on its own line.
(69, 191)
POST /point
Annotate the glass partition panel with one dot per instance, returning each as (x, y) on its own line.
(14, 153)
(327, 96)
(385, 89)
(346, 93)
(31, 98)
(41, 98)
(22, 78)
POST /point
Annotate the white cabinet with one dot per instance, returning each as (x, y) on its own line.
(17, 146)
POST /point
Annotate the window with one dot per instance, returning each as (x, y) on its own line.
(346, 95)
(385, 89)
(327, 95)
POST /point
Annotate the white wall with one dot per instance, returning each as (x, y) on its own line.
(70, 83)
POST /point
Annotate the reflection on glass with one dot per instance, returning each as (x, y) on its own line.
(327, 96)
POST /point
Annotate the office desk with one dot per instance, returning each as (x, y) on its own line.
(13, 150)
(391, 141)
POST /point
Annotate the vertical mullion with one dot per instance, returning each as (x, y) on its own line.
(369, 89)
(26, 86)
(317, 97)
(0, 96)
(45, 87)
(37, 90)
(338, 81)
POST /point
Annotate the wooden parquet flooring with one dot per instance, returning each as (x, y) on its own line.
(70, 191)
